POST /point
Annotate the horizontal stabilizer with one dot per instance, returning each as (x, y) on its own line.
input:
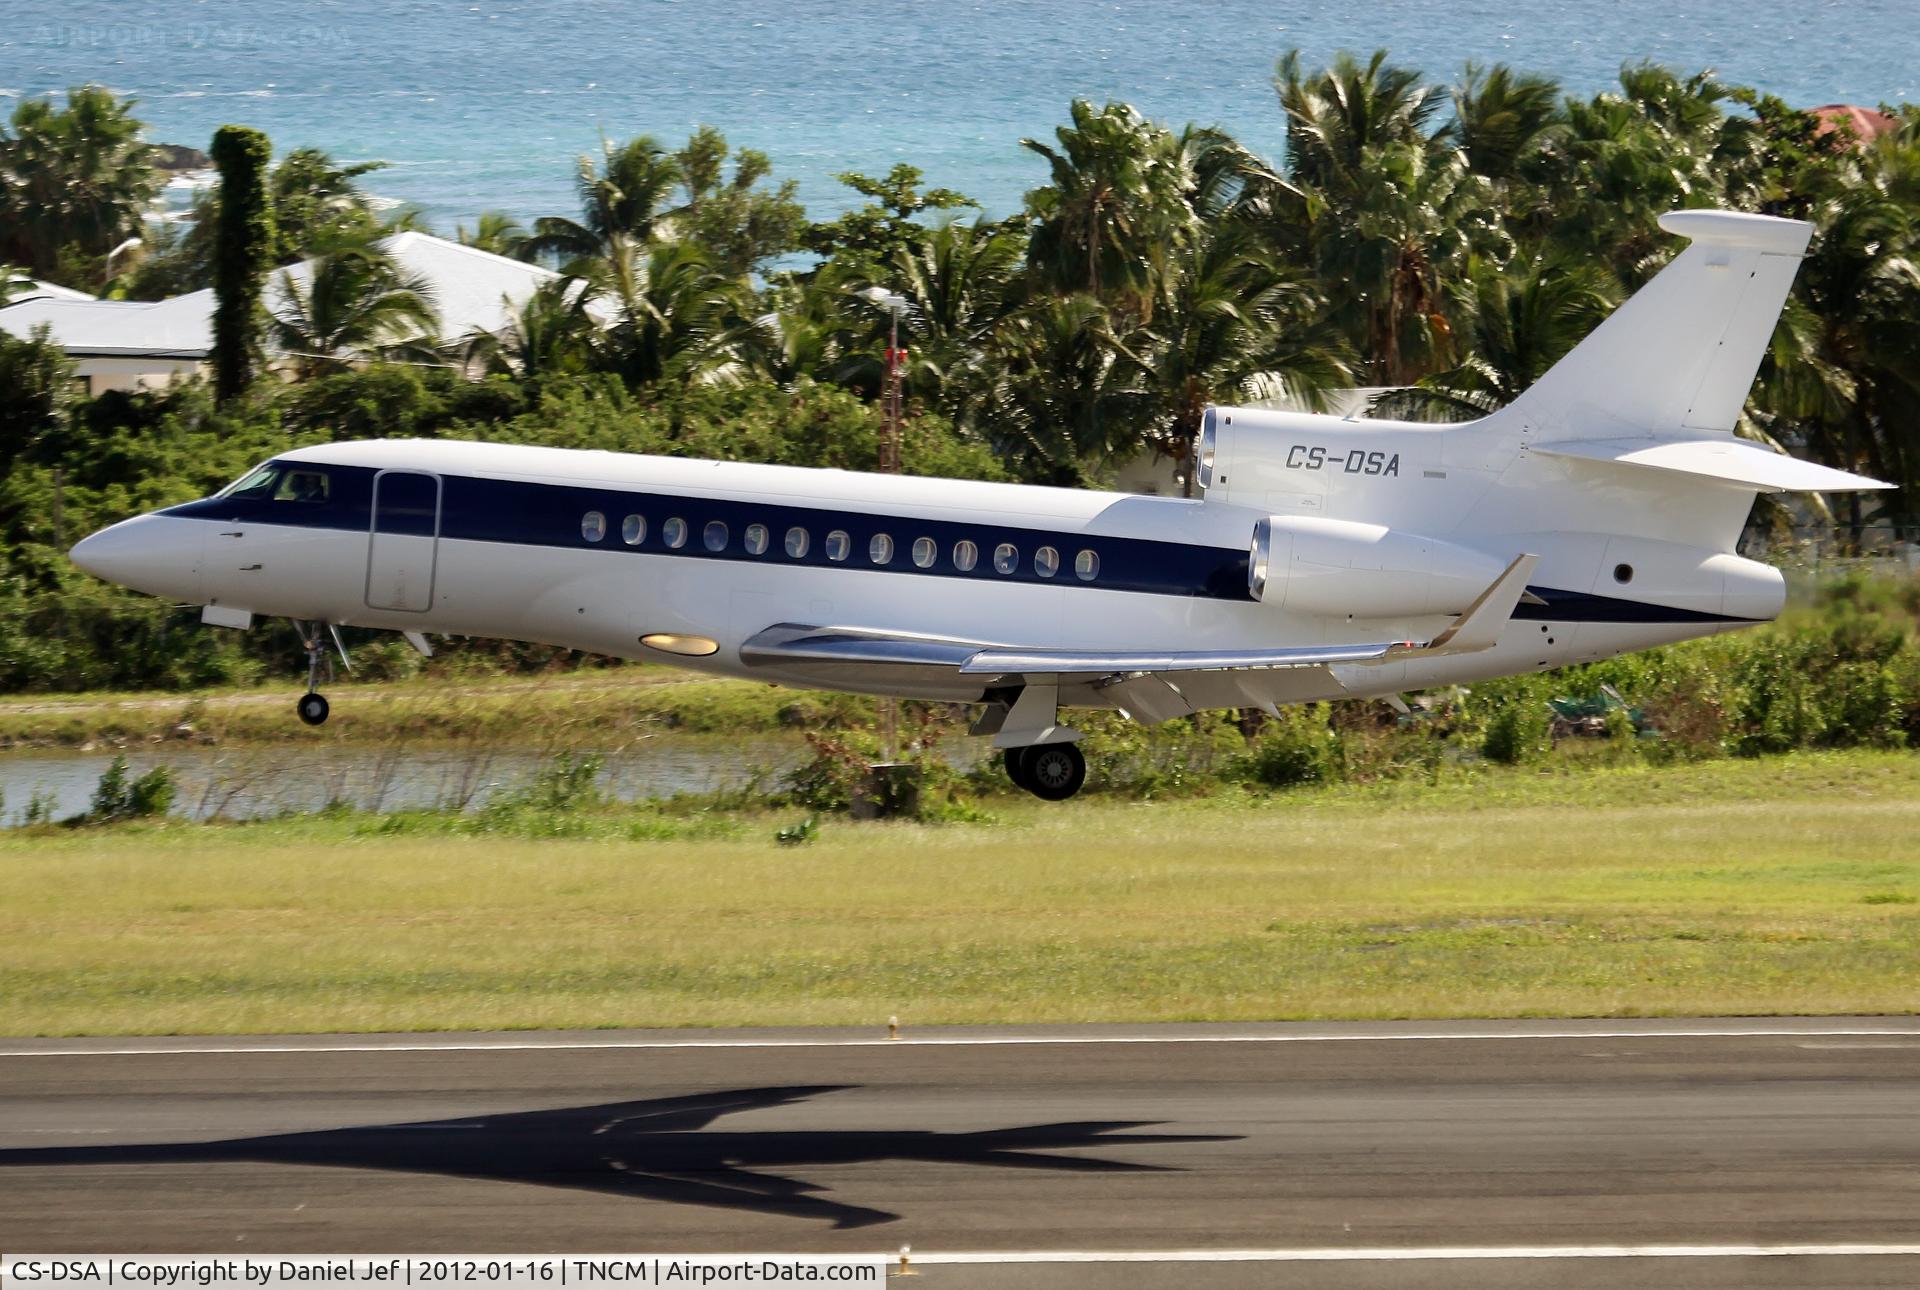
(1736, 461)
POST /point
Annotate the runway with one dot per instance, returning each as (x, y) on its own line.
(1390, 1154)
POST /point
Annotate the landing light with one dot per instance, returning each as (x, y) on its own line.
(674, 643)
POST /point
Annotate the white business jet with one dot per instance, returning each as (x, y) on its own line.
(1328, 558)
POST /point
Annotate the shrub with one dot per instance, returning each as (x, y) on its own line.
(1298, 747)
(567, 783)
(119, 797)
(1520, 731)
(1183, 755)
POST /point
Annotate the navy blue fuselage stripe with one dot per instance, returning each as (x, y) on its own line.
(523, 513)
(1585, 607)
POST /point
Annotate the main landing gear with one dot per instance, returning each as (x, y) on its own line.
(313, 706)
(1051, 772)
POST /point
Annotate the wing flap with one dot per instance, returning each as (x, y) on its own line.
(1001, 662)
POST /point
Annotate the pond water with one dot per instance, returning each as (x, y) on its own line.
(252, 782)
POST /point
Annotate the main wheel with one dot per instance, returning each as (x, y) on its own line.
(313, 709)
(1016, 759)
(1054, 772)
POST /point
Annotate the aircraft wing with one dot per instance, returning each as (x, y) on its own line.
(794, 645)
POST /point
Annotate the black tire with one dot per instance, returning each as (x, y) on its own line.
(1016, 759)
(1054, 772)
(313, 709)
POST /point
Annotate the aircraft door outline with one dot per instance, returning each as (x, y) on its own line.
(403, 540)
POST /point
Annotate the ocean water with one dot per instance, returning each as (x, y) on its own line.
(485, 105)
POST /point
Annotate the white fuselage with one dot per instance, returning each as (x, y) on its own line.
(512, 551)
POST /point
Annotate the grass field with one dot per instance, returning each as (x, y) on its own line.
(1789, 885)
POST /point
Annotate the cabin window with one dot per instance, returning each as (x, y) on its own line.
(880, 549)
(714, 536)
(1086, 566)
(1046, 562)
(674, 532)
(299, 485)
(1006, 558)
(756, 539)
(924, 552)
(633, 530)
(838, 544)
(797, 542)
(965, 555)
(593, 526)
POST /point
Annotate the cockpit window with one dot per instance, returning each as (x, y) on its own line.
(257, 483)
(302, 484)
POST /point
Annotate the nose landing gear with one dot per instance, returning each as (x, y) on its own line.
(313, 707)
(1051, 772)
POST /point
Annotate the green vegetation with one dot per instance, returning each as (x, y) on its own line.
(1732, 887)
(75, 182)
(243, 253)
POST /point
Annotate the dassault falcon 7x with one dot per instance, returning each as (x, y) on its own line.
(1326, 558)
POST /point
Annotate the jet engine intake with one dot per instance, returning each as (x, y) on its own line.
(1340, 567)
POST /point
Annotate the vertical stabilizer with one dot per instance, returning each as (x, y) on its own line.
(1680, 355)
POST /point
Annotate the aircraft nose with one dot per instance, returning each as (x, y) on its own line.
(157, 554)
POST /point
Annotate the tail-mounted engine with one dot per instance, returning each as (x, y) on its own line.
(1352, 570)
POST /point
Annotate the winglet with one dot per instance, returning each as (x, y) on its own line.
(1479, 628)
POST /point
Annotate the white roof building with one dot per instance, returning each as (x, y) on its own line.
(48, 290)
(139, 344)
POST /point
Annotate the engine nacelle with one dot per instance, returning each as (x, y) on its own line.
(1340, 568)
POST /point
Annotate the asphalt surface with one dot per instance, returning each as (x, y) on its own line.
(1525, 1138)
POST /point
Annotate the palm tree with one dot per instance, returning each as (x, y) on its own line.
(1392, 245)
(625, 198)
(496, 232)
(1516, 322)
(551, 333)
(1336, 115)
(1067, 395)
(1114, 200)
(1502, 117)
(1623, 160)
(1841, 378)
(317, 203)
(353, 303)
(1232, 325)
(672, 311)
(75, 182)
(960, 282)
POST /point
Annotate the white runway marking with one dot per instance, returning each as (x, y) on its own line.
(1409, 1255)
(953, 1041)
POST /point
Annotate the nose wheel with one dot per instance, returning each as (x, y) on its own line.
(1051, 772)
(313, 706)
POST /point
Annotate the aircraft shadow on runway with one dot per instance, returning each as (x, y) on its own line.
(656, 1149)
